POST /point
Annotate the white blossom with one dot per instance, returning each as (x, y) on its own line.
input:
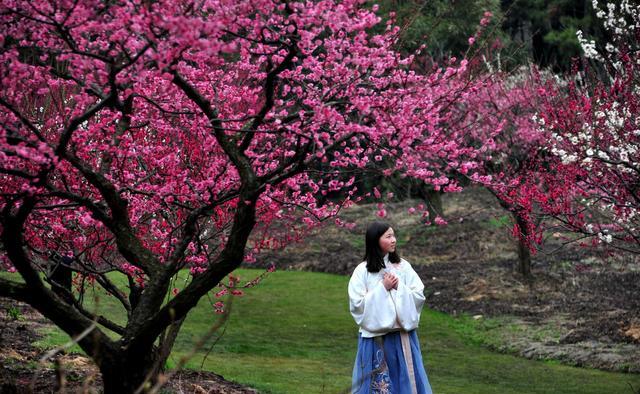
(588, 47)
(607, 238)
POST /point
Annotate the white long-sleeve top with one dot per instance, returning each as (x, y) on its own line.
(378, 311)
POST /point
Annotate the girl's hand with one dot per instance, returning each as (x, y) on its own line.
(390, 281)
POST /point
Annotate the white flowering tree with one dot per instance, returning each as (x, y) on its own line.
(595, 128)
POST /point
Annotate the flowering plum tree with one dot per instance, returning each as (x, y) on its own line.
(495, 121)
(508, 142)
(590, 177)
(150, 137)
(567, 150)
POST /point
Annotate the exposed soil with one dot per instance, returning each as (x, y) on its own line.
(588, 301)
(25, 369)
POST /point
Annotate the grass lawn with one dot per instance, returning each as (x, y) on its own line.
(293, 334)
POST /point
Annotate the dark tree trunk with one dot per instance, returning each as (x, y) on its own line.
(433, 200)
(166, 342)
(524, 253)
(126, 373)
(434, 203)
(61, 277)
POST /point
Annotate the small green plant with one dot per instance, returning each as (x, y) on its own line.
(14, 313)
(169, 364)
(563, 266)
(499, 222)
(74, 376)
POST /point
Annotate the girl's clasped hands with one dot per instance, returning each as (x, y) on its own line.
(390, 281)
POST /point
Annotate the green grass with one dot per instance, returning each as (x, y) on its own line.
(293, 334)
(499, 332)
(499, 222)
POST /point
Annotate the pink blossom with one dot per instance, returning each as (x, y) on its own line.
(221, 293)
(439, 221)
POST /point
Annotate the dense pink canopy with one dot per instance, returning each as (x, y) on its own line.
(168, 105)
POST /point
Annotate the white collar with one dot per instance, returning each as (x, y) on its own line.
(388, 263)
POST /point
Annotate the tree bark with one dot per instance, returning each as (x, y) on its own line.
(433, 200)
(61, 276)
(524, 254)
(121, 377)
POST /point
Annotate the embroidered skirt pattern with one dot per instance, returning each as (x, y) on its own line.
(382, 366)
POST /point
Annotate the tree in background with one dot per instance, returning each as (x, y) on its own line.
(440, 28)
(533, 169)
(504, 112)
(595, 135)
(546, 29)
(515, 34)
(538, 31)
(148, 138)
(574, 160)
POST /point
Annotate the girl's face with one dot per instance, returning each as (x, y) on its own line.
(387, 241)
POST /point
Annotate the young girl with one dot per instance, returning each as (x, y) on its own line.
(385, 299)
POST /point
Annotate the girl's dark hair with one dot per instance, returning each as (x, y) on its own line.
(373, 254)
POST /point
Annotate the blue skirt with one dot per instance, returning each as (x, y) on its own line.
(381, 366)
